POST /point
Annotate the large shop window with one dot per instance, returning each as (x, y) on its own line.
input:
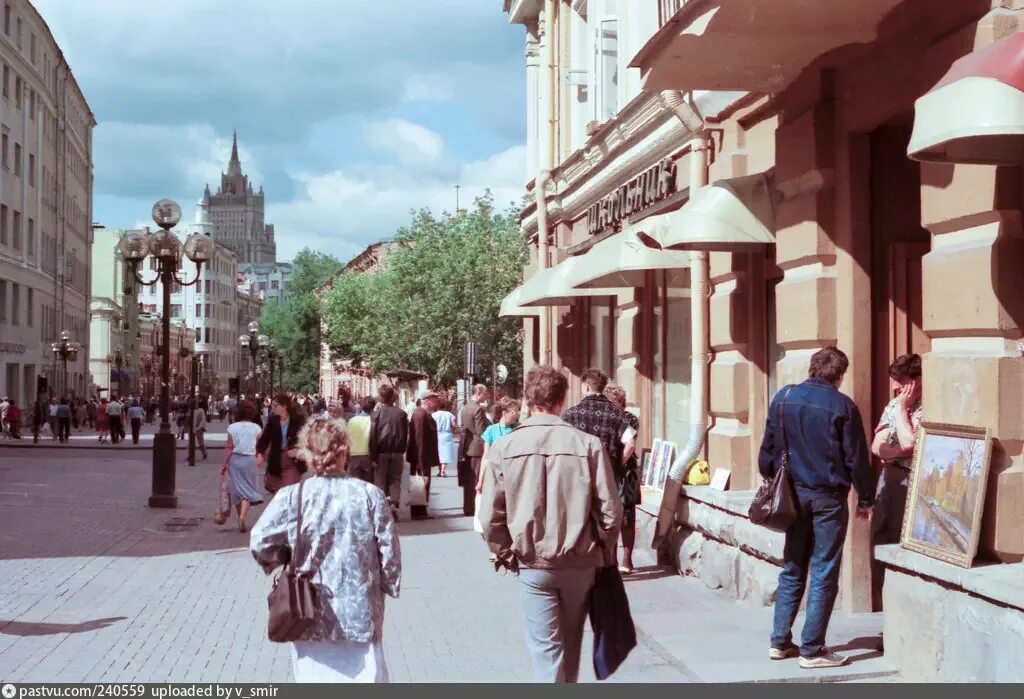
(671, 370)
(602, 337)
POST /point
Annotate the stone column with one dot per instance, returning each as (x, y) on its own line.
(974, 315)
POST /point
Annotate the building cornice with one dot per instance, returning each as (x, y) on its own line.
(640, 135)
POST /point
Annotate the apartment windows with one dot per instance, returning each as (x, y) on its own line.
(6, 158)
(16, 225)
(32, 47)
(206, 286)
(32, 169)
(274, 284)
(199, 333)
(206, 333)
(175, 310)
(199, 310)
(17, 160)
(207, 314)
(29, 308)
(7, 80)
(3, 224)
(32, 104)
(3, 302)
(7, 18)
(18, 37)
(17, 92)
(15, 304)
(31, 247)
(606, 68)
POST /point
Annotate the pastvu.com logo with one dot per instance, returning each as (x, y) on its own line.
(8, 691)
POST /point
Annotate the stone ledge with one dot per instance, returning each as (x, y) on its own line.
(998, 583)
(735, 501)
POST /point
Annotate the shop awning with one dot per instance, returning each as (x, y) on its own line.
(623, 260)
(975, 114)
(510, 305)
(728, 215)
(752, 45)
(555, 286)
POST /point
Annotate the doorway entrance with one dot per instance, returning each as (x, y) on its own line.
(898, 243)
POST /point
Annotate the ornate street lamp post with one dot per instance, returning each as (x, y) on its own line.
(167, 250)
(255, 343)
(64, 350)
(192, 399)
(271, 357)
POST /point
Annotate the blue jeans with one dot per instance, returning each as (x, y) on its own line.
(814, 547)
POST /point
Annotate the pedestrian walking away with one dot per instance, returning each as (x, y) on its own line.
(40, 414)
(240, 452)
(12, 418)
(136, 415)
(276, 448)
(64, 421)
(628, 478)
(349, 545)
(823, 433)
(389, 433)
(115, 411)
(473, 422)
(102, 421)
(52, 419)
(506, 415)
(421, 451)
(550, 510)
(360, 465)
(199, 428)
(447, 430)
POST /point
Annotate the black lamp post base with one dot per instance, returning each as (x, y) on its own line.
(163, 501)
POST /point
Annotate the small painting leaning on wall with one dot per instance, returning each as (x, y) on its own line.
(947, 492)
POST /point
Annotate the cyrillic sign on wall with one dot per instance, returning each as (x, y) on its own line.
(636, 195)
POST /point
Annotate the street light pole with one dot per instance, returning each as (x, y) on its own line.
(64, 350)
(167, 250)
(192, 405)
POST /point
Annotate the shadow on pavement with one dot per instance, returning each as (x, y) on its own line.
(643, 573)
(22, 628)
(871, 644)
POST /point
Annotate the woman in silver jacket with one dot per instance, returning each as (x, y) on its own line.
(350, 543)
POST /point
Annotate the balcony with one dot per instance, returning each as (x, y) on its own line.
(667, 9)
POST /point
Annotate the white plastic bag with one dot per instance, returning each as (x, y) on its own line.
(417, 490)
(478, 526)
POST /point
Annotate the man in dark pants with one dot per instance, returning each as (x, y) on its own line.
(422, 453)
(828, 452)
(389, 432)
(471, 449)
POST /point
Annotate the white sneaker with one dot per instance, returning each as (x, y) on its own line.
(825, 660)
(790, 651)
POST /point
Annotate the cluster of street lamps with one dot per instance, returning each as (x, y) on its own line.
(168, 251)
(262, 349)
(66, 349)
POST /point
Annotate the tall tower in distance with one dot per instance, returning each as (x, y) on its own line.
(236, 215)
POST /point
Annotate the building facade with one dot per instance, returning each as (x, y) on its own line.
(237, 217)
(271, 279)
(45, 209)
(715, 199)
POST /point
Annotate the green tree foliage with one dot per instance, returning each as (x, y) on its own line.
(294, 326)
(441, 287)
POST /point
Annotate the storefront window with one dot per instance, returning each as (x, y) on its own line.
(671, 366)
(602, 348)
(607, 69)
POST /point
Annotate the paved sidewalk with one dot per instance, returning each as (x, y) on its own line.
(97, 587)
(85, 438)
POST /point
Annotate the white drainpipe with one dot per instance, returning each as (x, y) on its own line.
(539, 189)
(699, 294)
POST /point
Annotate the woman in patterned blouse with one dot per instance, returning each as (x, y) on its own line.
(350, 544)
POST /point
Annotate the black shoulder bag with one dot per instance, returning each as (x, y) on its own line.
(774, 504)
(292, 601)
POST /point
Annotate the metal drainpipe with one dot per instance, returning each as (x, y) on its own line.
(699, 294)
(540, 186)
(539, 190)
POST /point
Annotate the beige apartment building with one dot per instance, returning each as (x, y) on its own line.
(721, 187)
(45, 208)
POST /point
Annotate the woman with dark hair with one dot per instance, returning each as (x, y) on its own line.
(240, 454)
(277, 444)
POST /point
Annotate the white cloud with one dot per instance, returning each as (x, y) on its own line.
(345, 210)
(423, 87)
(413, 145)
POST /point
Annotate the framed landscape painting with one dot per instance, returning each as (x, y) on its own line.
(664, 464)
(947, 492)
(645, 468)
(652, 472)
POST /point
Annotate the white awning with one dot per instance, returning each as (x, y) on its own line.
(556, 286)
(975, 114)
(623, 261)
(510, 306)
(727, 215)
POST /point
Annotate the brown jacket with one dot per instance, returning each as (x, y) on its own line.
(474, 422)
(549, 496)
(421, 451)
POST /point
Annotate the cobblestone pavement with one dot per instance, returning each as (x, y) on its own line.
(97, 587)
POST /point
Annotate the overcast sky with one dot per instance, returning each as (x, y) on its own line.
(349, 112)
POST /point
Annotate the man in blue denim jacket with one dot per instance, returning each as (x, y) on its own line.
(828, 452)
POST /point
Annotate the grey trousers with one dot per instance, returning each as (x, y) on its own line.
(388, 475)
(555, 603)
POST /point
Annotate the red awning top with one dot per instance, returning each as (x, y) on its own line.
(1002, 61)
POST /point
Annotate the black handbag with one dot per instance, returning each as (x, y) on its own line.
(614, 632)
(774, 504)
(292, 600)
(629, 489)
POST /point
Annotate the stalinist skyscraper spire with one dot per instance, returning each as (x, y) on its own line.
(236, 214)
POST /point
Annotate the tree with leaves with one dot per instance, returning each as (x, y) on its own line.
(294, 326)
(441, 287)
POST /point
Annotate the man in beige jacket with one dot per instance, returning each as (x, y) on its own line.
(550, 504)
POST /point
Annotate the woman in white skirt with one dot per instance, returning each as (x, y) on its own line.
(350, 544)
